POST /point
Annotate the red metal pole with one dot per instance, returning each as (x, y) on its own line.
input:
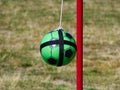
(79, 45)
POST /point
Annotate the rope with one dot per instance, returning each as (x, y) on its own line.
(61, 10)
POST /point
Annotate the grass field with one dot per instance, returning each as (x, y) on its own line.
(101, 45)
(23, 23)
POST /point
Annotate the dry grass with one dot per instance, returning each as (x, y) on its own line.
(23, 23)
(101, 45)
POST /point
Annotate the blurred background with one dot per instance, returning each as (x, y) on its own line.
(23, 23)
(101, 44)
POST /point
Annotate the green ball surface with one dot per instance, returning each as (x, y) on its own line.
(58, 48)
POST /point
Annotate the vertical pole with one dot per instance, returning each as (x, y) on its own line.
(79, 65)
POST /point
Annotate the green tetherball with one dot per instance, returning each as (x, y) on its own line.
(58, 48)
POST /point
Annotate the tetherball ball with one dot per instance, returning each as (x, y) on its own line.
(58, 48)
